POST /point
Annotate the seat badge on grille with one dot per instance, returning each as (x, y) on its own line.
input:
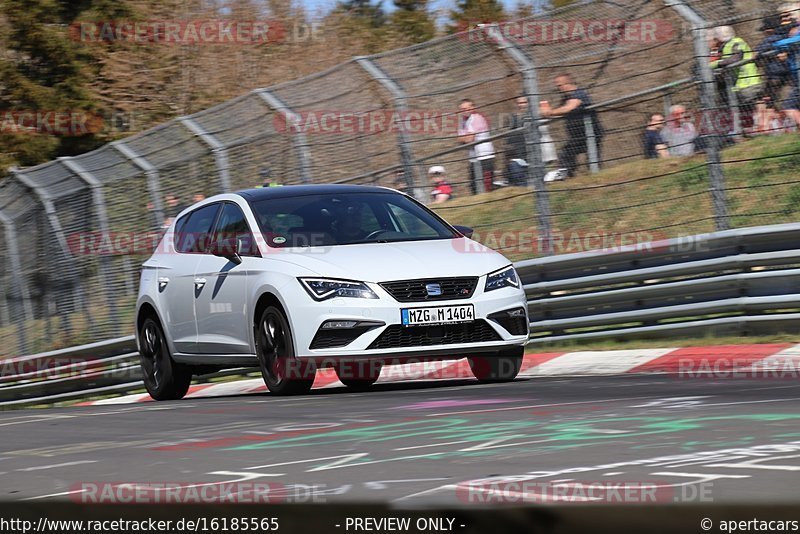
(433, 290)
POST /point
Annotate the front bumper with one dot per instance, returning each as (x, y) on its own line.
(382, 315)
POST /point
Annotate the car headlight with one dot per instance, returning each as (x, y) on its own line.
(505, 277)
(328, 288)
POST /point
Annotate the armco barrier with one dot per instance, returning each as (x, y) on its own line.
(734, 282)
(102, 368)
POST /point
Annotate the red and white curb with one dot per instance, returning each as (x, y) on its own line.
(689, 361)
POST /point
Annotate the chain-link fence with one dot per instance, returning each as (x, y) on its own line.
(77, 229)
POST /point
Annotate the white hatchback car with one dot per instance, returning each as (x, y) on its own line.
(296, 278)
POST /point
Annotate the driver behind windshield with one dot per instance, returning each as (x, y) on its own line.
(347, 226)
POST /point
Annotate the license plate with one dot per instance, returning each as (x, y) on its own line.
(437, 315)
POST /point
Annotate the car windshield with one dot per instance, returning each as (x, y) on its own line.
(346, 219)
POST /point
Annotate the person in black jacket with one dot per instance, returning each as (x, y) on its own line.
(774, 64)
(652, 142)
(573, 108)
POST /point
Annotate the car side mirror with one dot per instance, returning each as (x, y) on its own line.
(226, 248)
(466, 231)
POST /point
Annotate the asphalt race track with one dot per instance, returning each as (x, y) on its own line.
(414, 444)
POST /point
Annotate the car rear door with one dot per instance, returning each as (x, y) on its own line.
(176, 276)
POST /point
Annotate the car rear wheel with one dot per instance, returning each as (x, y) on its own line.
(502, 367)
(283, 373)
(359, 375)
(163, 377)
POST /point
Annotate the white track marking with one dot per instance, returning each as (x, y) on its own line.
(54, 466)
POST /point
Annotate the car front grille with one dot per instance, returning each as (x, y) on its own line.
(399, 336)
(416, 290)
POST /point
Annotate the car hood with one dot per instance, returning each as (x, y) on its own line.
(380, 262)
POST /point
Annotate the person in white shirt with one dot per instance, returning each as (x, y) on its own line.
(475, 127)
(679, 133)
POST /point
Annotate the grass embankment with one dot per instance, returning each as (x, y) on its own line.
(641, 200)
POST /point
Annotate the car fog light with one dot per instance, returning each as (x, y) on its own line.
(331, 325)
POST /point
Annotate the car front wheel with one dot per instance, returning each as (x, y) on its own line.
(163, 377)
(283, 373)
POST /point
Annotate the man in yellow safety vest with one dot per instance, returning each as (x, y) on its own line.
(746, 78)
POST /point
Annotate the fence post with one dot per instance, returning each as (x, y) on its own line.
(709, 101)
(98, 199)
(591, 144)
(17, 278)
(293, 121)
(217, 150)
(533, 141)
(399, 97)
(58, 230)
(151, 173)
(667, 106)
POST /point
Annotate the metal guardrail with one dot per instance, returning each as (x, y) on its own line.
(96, 369)
(732, 282)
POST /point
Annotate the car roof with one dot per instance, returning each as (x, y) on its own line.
(287, 191)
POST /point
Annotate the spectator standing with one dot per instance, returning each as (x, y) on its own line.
(516, 147)
(775, 66)
(679, 133)
(791, 45)
(654, 145)
(475, 127)
(442, 190)
(573, 108)
(745, 79)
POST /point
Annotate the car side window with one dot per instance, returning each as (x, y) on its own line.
(179, 227)
(193, 235)
(233, 225)
(409, 223)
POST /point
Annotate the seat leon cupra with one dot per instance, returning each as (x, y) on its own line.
(296, 278)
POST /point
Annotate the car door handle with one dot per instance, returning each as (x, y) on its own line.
(199, 283)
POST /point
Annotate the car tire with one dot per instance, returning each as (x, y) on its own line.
(163, 378)
(359, 375)
(283, 373)
(502, 367)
